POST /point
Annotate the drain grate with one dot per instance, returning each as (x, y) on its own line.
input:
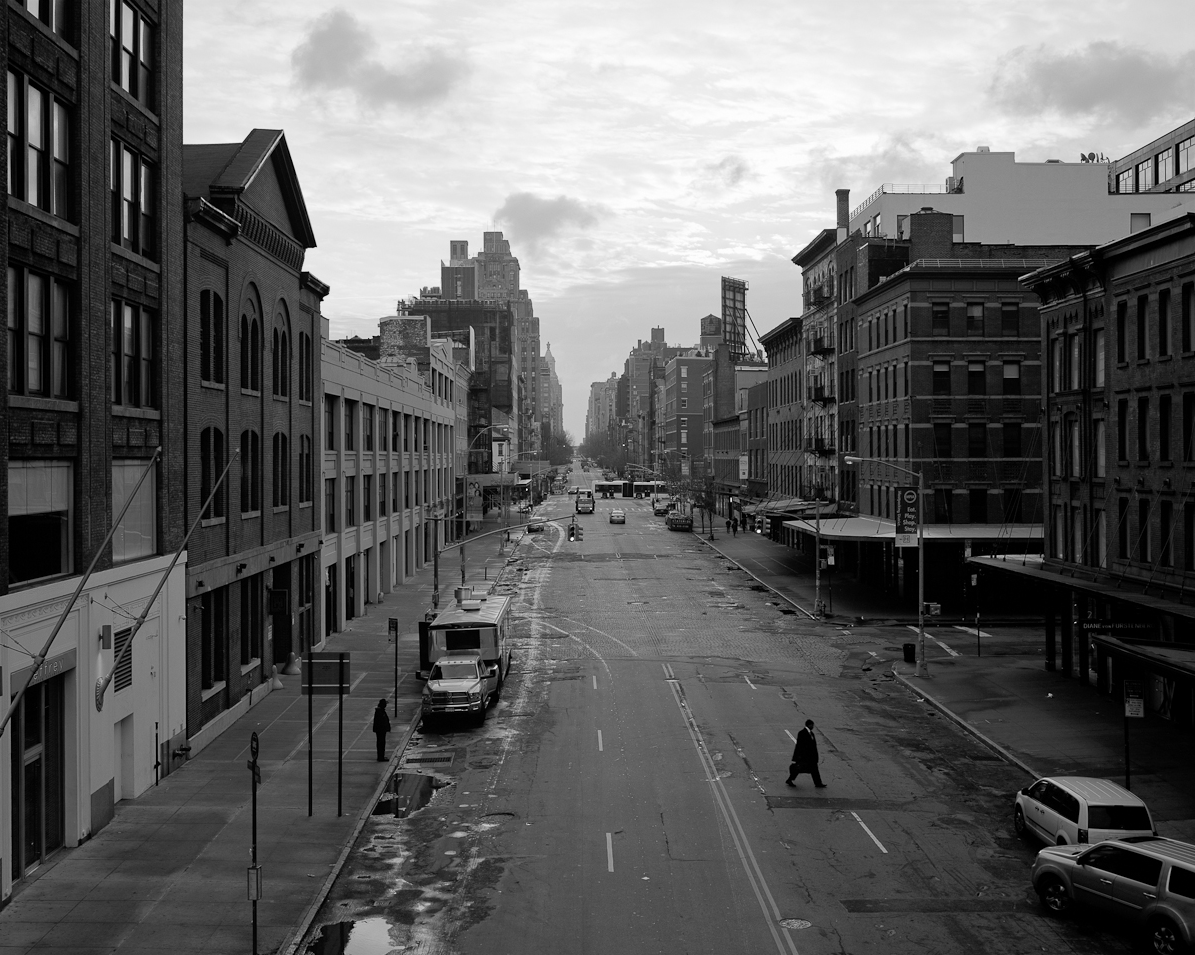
(437, 759)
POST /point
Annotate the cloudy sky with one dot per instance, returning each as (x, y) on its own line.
(634, 152)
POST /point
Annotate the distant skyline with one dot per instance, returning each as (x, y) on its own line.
(634, 153)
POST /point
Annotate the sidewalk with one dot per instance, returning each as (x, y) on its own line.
(168, 873)
(1044, 722)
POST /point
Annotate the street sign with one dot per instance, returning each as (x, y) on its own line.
(906, 516)
(1134, 698)
(254, 745)
(326, 672)
(392, 628)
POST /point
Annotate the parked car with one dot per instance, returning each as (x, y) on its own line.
(1145, 879)
(535, 527)
(1075, 810)
(524, 507)
(574, 489)
(618, 516)
(678, 521)
(662, 506)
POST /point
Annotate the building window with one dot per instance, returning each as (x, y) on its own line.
(132, 38)
(133, 207)
(250, 472)
(1142, 341)
(329, 424)
(1122, 350)
(1122, 429)
(976, 378)
(1122, 528)
(941, 379)
(943, 506)
(979, 505)
(1012, 439)
(1165, 164)
(975, 319)
(306, 469)
(367, 427)
(1012, 378)
(330, 503)
(39, 147)
(39, 334)
(1142, 429)
(942, 440)
(133, 359)
(250, 348)
(211, 467)
(304, 366)
(211, 337)
(1163, 322)
(940, 318)
(1074, 365)
(1012, 506)
(1145, 545)
(251, 620)
(350, 413)
(1124, 182)
(1010, 319)
(280, 357)
(1189, 426)
(1189, 536)
(281, 451)
(1072, 447)
(1164, 427)
(213, 640)
(1099, 357)
(1139, 221)
(977, 437)
(1186, 155)
(383, 429)
(40, 495)
(1145, 175)
(1166, 533)
(350, 501)
(957, 232)
(366, 498)
(381, 495)
(136, 534)
(1101, 447)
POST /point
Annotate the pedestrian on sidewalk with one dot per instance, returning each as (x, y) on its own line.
(734, 527)
(805, 757)
(381, 726)
(728, 525)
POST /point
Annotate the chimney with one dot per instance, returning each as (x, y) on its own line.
(844, 212)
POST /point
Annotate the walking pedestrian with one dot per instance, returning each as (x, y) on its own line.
(728, 525)
(381, 726)
(805, 757)
(734, 527)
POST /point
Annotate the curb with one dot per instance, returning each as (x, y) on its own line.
(954, 717)
(299, 932)
(769, 587)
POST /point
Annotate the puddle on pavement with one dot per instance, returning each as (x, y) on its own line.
(355, 937)
(406, 793)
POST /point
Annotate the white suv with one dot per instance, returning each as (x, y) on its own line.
(1072, 810)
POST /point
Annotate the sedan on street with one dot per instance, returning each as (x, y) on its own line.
(618, 516)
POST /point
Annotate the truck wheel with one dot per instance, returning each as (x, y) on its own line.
(481, 713)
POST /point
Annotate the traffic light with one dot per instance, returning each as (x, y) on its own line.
(572, 532)
(580, 533)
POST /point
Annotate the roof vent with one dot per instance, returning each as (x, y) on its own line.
(1053, 160)
(983, 149)
(470, 605)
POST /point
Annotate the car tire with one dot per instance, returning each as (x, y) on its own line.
(1165, 938)
(1053, 895)
(1018, 823)
(481, 713)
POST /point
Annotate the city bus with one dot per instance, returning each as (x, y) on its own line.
(650, 488)
(611, 489)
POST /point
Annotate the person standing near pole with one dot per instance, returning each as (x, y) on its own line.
(381, 726)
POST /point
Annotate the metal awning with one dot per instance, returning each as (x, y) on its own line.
(1165, 659)
(876, 528)
(788, 505)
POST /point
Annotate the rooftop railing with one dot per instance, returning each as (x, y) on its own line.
(902, 188)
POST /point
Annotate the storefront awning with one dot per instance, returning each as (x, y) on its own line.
(1165, 659)
(876, 528)
(787, 505)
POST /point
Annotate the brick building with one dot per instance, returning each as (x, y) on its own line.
(253, 386)
(95, 358)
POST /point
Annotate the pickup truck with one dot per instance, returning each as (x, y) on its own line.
(460, 684)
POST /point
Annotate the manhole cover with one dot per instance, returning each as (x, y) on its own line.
(795, 923)
(430, 759)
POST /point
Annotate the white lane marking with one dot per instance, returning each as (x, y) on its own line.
(599, 741)
(755, 877)
(357, 681)
(790, 736)
(749, 683)
(595, 682)
(609, 852)
(668, 674)
(953, 653)
(628, 649)
(972, 631)
(601, 659)
(870, 833)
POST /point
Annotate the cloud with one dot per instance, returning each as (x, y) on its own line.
(902, 157)
(338, 53)
(532, 219)
(729, 171)
(1104, 77)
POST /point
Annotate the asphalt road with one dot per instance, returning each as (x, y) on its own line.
(627, 794)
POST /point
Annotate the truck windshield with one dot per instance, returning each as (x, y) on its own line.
(455, 671)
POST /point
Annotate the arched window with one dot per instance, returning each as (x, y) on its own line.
(281, 452)
(250, 348)
(250, 472)
(211, 466)
(280, 354)
(211, 337)
(304, 366)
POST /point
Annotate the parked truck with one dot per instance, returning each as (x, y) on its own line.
(464, 655)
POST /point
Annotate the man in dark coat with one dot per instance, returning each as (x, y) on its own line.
(805, 757)
(381, 726)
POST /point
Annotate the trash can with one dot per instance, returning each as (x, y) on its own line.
(910, 652)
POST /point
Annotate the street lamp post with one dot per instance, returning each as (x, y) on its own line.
(922, 666)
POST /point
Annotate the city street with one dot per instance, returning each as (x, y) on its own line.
(627, 794)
